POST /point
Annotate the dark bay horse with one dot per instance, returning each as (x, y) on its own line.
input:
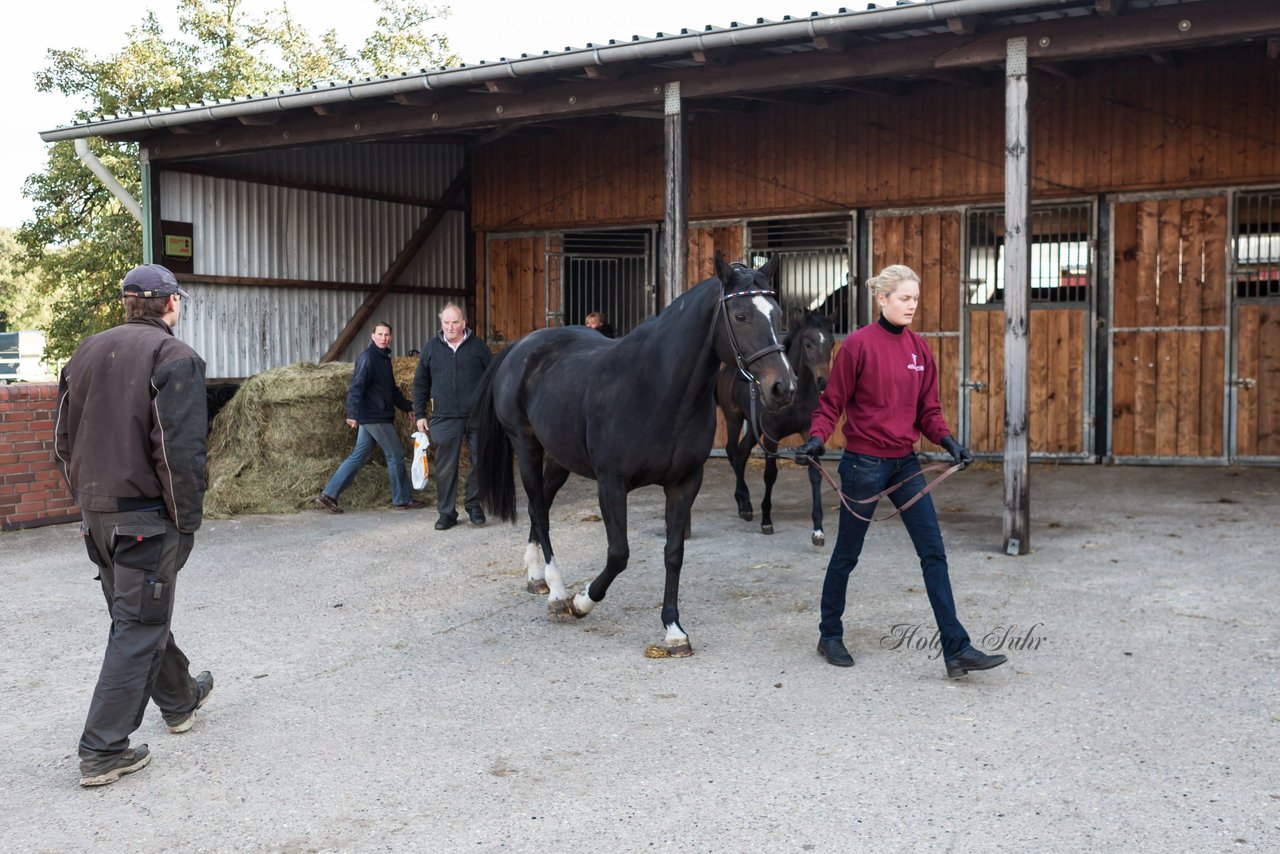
(631, 412)
(808, 346)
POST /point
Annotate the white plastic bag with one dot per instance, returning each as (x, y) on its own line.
(419, 468)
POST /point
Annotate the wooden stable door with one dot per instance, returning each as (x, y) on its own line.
(1257, 381)
(1056, 364)
(1168, 330)
(929, 243)
(515, 270)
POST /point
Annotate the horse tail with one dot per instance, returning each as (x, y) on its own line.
(493, 470)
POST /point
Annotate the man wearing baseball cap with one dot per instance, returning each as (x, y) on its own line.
(130, 440)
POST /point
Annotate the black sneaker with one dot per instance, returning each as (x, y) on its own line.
(444, 523)
(204, 687)
(330, 504)
(100, 772)
(477, 517)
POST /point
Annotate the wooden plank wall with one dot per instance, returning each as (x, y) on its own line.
(1258, 359)
(517, 286)
(1057, 365)
(1167, 375)
(703, 242)
(930, 244)
(1116, 125)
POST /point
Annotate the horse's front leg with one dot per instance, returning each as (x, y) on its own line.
(815, 484)
(770, 478)
(613, 511)
(738, 451)
(679, 502)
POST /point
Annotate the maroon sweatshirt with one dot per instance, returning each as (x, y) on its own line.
(886, 384)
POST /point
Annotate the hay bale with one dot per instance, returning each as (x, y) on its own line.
(284, 434)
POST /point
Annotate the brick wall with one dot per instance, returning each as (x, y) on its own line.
(32, 491)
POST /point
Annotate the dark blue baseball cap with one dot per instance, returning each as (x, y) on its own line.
(151, 280)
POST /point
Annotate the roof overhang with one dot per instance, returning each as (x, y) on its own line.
(955, 40)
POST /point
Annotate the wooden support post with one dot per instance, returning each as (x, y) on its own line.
(675, 220)
(398, 266)
(1017, 298)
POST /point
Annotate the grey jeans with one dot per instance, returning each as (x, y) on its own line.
(138, 554)
(446, 437)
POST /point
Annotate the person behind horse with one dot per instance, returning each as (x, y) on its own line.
(595, 320)
(885, 382)
(449, 371)
(372, 401)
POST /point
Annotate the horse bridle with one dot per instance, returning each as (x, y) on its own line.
(744, 362)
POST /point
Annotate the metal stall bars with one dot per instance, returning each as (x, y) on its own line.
(815, 264)
(610, 271)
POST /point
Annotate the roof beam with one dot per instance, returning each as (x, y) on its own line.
(213, 171)
(834, 43)
(422, 98)
(1108, 8)
(963, 25)
(503, 87)
(1158, 28)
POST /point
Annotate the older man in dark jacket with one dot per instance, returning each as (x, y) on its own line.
(372, 400)
(130, 440)
(449, 370)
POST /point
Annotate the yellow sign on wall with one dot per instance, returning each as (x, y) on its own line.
(177, 246)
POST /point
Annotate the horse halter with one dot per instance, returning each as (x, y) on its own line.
(744, 362)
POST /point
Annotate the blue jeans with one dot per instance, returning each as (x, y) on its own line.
(392, 448)
(862, 476)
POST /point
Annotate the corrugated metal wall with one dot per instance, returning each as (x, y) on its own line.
(265, 231)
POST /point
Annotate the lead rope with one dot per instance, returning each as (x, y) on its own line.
(846, 501)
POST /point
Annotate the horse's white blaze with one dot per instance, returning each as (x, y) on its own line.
(533, 561)
(763, 306)
(675, 634)
(582, 603)
(822, 339)
(556, 581)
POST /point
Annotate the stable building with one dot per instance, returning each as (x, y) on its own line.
(1089, 189)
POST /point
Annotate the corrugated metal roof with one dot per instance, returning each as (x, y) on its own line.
(906, 19)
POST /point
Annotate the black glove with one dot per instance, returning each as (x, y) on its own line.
(962, 455)
(812, 448)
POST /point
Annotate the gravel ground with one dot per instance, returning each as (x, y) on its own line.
(385, 687)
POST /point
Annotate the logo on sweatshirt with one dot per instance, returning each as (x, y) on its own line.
(915, 365)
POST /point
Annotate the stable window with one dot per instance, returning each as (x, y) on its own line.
(814, 264)
(1060, 260)
(1256, 246)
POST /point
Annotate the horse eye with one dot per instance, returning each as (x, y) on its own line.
(741, 318)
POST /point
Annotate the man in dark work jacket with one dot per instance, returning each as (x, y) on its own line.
(130, 440)
(449, 370)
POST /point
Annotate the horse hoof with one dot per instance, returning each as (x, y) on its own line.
(560, 608)
(819, 539)
(766, 529)
(746, 514)
(538, 586)
(674, 650)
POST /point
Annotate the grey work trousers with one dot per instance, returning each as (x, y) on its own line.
(138, 554)
(446, 438)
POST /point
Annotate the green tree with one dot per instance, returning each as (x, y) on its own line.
(22, 304)
(81, 241)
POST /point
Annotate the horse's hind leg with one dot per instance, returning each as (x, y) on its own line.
(553, 477)
(819, 538)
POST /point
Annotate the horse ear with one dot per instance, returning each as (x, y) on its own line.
(769, 269)
(723, 272)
